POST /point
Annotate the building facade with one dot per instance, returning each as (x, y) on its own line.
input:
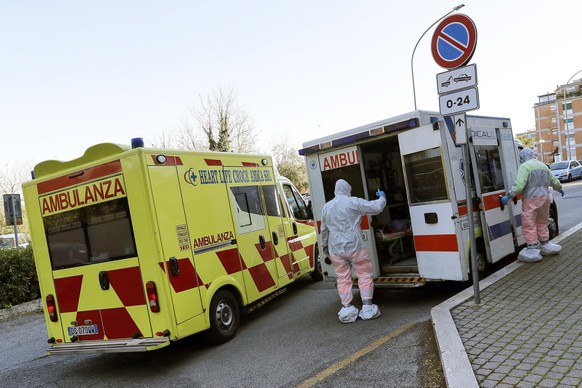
(558, 118)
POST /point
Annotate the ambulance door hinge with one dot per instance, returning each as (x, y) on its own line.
(104, 280)
(174, 267)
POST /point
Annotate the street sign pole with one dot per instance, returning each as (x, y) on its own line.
(472, 239)
(14, 220)
(457, 90)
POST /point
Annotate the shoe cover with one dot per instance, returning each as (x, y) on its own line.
(529, 255)
(550, 248)
(348, 314)
(369, 311)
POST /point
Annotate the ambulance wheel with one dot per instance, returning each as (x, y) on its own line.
(224, 317)
(317, 273)
(482, 264)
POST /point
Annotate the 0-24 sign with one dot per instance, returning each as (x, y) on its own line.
(461, 101)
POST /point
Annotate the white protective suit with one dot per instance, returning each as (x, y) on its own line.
(342, 242)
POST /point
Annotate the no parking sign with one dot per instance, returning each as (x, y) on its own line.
(454, 41)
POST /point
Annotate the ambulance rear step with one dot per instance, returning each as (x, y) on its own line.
(397, 281)
(110, 346)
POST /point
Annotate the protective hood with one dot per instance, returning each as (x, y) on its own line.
(526, 154)
(342, 188)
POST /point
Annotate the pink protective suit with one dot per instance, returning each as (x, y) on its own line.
(342, 240)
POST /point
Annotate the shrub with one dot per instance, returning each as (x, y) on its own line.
(18, 280)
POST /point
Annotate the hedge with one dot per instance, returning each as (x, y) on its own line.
(18, 280)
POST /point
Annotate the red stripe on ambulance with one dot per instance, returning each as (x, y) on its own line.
(68, 291)
(188, 278)
(230, 260)
(118, 323)
(262, 277)
(436, 242)
(79, 177)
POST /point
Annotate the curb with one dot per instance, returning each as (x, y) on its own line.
(457, 368)
(23, 308)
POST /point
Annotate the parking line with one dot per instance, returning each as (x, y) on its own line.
(354, 357)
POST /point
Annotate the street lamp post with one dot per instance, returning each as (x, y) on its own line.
(458, 7)
(566, 126)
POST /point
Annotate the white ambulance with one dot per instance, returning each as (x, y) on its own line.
(138, 247)
(423, 233)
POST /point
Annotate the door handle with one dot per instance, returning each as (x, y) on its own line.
(174, 267)
(275, 238)
(262, 241)
(294, 228)
(104, 280)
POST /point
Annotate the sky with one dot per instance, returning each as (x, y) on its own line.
(77, 73)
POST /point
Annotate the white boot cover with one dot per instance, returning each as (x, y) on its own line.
(529, 255)
(550, 248)
(348, 314)
(369, 311)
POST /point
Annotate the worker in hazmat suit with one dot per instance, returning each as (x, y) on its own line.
(532, 181)
(342, 242)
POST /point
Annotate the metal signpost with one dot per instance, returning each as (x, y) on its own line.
(453, 45)
(13, 213)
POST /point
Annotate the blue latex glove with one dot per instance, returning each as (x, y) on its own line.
(380, 193)
(561, 191)
(505, 199)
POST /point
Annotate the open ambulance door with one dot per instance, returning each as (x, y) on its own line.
(487, 166)
(431, 210)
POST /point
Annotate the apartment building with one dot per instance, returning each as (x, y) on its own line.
(558, 118)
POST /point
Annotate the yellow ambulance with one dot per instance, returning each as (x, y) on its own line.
(138, 247)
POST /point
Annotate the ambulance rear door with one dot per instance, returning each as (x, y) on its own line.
(95, 266)
(487, 166)
(431, 210)
(178, 262)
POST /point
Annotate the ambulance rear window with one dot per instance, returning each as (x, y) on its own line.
(91, 234)
(425, 176)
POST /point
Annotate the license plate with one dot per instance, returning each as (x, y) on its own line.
(83, 330)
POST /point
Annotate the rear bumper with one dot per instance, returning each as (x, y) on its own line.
(110, 346)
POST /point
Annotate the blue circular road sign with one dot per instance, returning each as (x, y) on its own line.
(454, 41)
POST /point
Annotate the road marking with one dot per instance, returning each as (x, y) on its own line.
(354, 357)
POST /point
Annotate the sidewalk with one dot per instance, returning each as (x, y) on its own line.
(527, 330)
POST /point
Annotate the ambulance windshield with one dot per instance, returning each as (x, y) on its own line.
(90, 234)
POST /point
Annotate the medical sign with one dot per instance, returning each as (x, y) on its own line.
(454, 41)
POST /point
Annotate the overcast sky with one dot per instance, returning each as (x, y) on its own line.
(77, 73)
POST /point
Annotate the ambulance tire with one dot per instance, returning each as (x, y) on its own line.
(224, 317)
(317, 273)
(483, 266)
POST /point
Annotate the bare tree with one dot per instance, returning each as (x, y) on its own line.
(290, 164)
(220, 123)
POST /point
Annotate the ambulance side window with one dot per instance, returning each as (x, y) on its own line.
(296, 203)
(91, 234)
(248, 208)
(271, 200)
(425, 176)
(489, 168)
